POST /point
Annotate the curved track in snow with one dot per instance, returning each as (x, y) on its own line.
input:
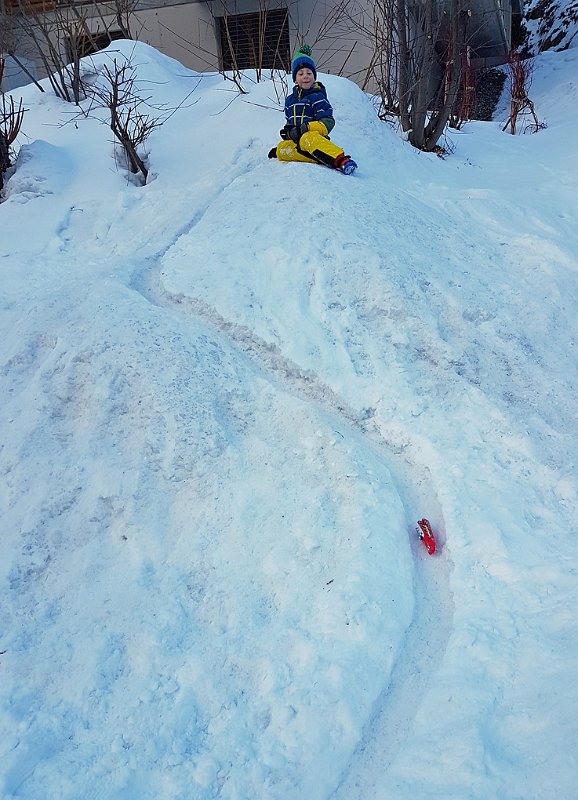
(390, 724)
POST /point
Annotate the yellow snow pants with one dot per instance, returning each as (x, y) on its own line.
(312, 147)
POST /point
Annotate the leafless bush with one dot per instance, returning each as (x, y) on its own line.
(132, 116)
(521, 107)
(11, 116)
(130, 120)
(53, 38)
(61, 34)
(425, 112)
(417, 63)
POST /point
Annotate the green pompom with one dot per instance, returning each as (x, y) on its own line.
(305, 50)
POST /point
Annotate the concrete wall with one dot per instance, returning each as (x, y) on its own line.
(187, 32)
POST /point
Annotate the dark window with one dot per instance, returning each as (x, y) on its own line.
(93, 42)
(253, 41)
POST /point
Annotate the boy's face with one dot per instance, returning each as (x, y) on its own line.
(304, 78)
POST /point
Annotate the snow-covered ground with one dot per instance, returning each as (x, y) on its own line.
(226, 399)
(550, 24)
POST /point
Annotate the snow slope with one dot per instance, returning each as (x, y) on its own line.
(550, 24)
(228, 396)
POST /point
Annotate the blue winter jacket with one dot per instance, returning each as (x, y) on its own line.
(309, 105)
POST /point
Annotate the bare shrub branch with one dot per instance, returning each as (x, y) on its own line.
(132, 116)
(521, 106)
(130, 124)
(59, 34)
(11, 117)
(417, 63)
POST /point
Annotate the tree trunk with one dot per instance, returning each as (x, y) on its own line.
(424, 55)
(401, 21)
(4, 158)
(452, 76)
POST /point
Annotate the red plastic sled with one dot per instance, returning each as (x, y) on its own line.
(426, 535)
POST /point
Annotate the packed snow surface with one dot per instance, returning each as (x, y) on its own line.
(227, 398)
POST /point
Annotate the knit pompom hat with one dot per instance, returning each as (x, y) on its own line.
(302, 58)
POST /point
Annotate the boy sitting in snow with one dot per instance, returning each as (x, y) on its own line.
(309, 120)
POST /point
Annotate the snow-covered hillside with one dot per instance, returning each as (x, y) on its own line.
(227, 398)
(550, 24)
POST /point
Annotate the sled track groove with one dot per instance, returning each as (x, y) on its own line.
(390, 724)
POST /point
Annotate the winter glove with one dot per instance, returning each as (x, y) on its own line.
(284, 132)
(297, 132)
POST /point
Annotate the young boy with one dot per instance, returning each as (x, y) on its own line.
(309, 120)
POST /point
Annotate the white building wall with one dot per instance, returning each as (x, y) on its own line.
(187, 32)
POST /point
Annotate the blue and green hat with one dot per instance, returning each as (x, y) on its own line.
(302, 58)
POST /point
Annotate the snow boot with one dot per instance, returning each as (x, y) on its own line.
(345, 164)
